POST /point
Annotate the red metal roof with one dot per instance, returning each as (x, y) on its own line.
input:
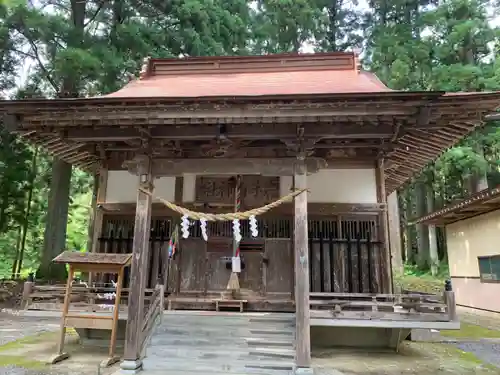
(330, 73)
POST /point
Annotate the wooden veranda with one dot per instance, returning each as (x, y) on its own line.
(290, 116)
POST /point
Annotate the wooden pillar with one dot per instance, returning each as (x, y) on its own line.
(395, 232)
(138, 271)
(95, 230)
(179, 194)
(384, 229)
(292, 254)
(301, 255)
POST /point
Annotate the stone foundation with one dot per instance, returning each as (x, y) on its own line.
(102, 337)
(357, 337)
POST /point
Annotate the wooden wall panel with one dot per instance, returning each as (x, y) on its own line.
(218, 250)
(251, 275)
(217, 273)
(279, 269)
(192, 263)
(354, 266)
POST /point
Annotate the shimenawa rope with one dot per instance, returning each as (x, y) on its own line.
(226, 216)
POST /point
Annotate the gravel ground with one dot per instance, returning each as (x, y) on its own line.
(14, 370)
(14, 327)
(487, 350)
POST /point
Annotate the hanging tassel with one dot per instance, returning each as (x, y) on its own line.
(203, 227)
(236, 231)
(253, 226)
(185, 226)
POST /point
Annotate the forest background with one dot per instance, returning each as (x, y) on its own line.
(51, 47)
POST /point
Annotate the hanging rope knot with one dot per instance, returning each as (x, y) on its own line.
(230, 216)
(146, 187)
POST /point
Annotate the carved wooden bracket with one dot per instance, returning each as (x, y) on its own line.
(266, 167)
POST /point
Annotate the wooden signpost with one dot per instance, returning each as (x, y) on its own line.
(95, 263)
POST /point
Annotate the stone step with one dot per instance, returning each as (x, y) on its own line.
(187, 314)
(217, 366)
(231, 320)
(230, 323)
(274, 342)
(225, 331)
(272, 319)
(273, 332)
(204, 372)
(262, 352)
(234, 352)
(251, 340)
(221, 332)
(223, 344)
(217, 324)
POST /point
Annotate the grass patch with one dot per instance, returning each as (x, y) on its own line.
(12, 360)
(29, 340)
(35, 339)
(423, 283)
(471, 331)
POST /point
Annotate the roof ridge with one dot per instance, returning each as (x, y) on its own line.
(252, 64)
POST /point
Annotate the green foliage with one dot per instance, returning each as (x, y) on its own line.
(416, 279)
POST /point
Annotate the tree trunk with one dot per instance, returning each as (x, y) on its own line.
(28, 209)
(433, 246)
(332, 20)
(480, 179)
(423, 260)
(57, 215)
(57, 220)
(409, 232)
(16, 257)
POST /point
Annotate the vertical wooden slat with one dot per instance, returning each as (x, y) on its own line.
(333, 265)
(206, 270)
(360, 263)
(384, 229)
(138, 275)
(349, 274)
(303, 335)
(321, 265)
(265, 259)
(369, 256)
(155, 269)
(179, 267)
(310, 245)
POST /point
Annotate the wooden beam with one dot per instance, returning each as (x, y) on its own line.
(224, 166)
(301, 255)
(286, 209)
(384, 228)
(257, 131)
(138, 274)
(237, 112)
